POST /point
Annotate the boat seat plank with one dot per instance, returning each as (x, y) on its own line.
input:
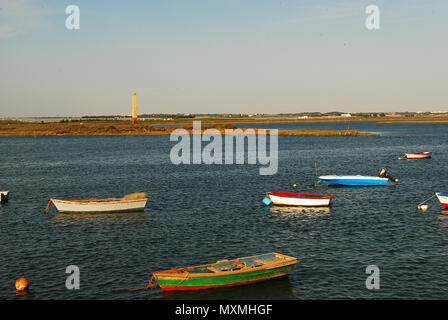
(251, 264)
(202, 270)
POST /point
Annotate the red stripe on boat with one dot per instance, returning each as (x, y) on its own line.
(301, 195)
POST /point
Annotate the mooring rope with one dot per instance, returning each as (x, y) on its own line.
(152, 283)
(426, 200)
(183, 280)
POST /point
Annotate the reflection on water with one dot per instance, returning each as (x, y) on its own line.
(280, 288)
(4, 204)
(74, 217)
(23, 295)
(312, 211)
(442, 217)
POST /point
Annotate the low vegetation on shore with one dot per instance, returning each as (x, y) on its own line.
(110, 128)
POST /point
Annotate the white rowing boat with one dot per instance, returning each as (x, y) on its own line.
(4, 196)
(130, 203)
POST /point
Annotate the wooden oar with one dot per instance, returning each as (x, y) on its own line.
(420, 205)
(402, 157)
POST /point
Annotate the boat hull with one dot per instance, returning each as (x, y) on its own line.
(222, 281)
(419, 155)
(65, 206)
(443, 198)
(300, 200)
(354, 180)
(4, 195)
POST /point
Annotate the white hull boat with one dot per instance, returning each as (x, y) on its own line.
(4, 196)
(126, 204)
(418, 155)
(443, 198)
(299, 199)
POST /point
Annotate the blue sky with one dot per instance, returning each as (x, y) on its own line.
(227, 56)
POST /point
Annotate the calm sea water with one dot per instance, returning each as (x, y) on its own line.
(202, 213)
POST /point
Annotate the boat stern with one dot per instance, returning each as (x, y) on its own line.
(4, 195)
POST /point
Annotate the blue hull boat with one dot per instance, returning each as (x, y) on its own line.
(354, 180)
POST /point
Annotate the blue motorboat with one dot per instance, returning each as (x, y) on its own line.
(354, 180)
(358, 180)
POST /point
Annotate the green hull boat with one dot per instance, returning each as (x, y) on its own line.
(225, 273)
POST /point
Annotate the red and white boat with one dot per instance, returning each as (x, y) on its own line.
(418, 155)
(443, 198)
(299, 199)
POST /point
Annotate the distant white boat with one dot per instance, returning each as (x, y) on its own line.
(4, 196)
(130, 203)
(418, 155)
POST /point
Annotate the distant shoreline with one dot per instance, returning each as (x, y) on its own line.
(243, 119)
(157, 127)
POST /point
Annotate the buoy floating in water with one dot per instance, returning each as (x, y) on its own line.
(424, 207)
(22, 284)
(294, 185)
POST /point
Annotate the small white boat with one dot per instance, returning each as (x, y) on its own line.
(418, 155)
(298, 199)
(4, 196)
(130, 203)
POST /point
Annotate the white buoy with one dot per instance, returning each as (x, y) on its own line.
(422, 206)
(294, 185)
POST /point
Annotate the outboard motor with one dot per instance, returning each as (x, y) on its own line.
(383, 174)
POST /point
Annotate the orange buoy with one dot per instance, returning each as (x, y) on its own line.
(22, 284)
